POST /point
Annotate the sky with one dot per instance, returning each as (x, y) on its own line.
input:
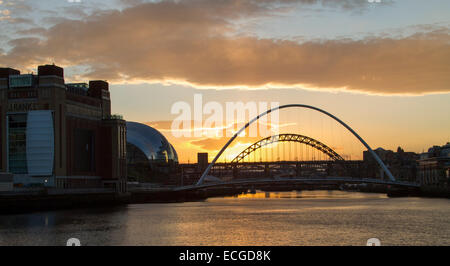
(383, 68)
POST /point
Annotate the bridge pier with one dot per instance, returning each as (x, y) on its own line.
(235, 171)
(298, 169)
(267, 170)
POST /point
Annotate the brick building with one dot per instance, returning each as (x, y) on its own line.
(60, 135)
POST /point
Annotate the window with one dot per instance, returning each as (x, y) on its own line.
(20, 81)
(17, 153)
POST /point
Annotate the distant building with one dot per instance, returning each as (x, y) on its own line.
(202, 161)
(401, 164)
(434, 166)
(191, 172)
(60, 135)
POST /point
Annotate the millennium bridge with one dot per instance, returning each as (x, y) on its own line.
(333, 172)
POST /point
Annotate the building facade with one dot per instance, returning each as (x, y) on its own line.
(60, 135)
(434, 166)
(403, 165)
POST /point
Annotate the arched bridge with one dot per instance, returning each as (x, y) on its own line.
(374, 155)
(295, 178)
(288, 138)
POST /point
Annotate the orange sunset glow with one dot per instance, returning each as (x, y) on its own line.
(215, 130)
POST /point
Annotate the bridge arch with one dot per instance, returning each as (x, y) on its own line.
(374, 155)
(288, 138)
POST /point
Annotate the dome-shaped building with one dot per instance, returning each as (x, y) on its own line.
(150, 157)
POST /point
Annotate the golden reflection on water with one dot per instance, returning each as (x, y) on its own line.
(318, 194)
(262, 218)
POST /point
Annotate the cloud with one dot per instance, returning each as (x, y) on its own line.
(15, 20)
(18, 5)
(9, 11)
(37, 31)
(223, 129)
(210, 144)
(204, 143)
(193, 42)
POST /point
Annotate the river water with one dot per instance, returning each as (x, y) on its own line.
(286, 218)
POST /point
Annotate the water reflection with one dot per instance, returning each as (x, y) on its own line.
(307, 194)
(263, 218)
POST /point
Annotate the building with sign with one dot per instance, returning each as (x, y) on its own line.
(59, 135)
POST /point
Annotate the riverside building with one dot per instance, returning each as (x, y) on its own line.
(434, 166)
(60, 135)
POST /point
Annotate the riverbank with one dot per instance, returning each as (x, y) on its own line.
(434, 192)
(44, 200)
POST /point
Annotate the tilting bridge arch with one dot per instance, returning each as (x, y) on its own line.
(288, 138)
(374, 155)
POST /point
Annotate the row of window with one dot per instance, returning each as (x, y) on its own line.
(17, 126)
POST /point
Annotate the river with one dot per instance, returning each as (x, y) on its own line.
(285, 218)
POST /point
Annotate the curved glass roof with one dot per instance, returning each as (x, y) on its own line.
(151, 142)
